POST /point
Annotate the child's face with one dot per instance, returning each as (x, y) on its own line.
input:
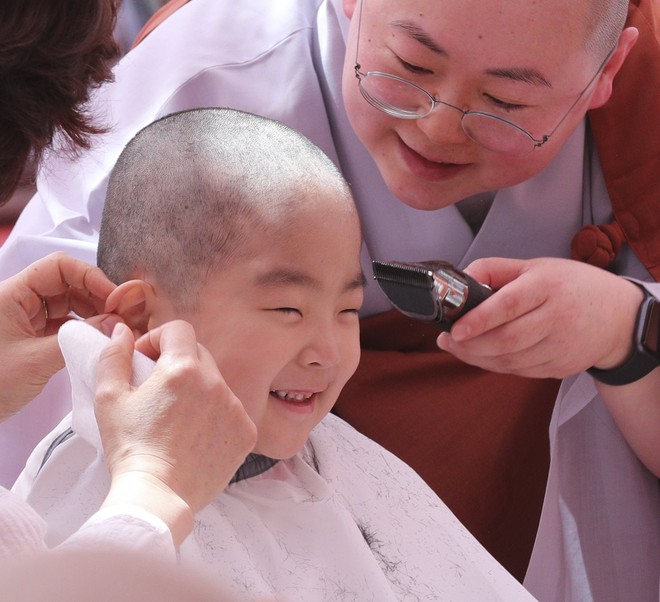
(282, 322)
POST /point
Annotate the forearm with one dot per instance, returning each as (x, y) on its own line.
(636, 406)
(636, 410)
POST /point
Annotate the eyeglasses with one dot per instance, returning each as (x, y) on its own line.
(403, 99)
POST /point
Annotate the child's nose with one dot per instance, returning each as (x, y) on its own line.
(323, 349)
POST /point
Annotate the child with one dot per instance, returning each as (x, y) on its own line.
(243, 228)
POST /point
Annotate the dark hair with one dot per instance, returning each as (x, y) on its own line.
(53, 53)
(605, 20)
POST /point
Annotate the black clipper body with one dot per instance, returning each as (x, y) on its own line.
(432, 291)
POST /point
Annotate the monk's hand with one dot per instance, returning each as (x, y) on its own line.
(33, 305)
(548, 318)
(175, 442)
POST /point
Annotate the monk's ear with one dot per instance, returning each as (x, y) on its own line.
(603, 89)
(133, 301)
(349, 7)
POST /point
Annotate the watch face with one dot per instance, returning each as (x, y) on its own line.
(651, 335)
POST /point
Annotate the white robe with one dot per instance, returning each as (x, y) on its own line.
(23, 530)
(342, 520)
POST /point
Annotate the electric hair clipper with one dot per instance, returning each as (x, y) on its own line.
(432, 291)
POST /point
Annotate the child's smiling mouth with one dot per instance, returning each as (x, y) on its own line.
(295, 396)
(297, 401)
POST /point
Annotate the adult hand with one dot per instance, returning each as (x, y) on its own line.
(33, 305)
(548, 318)
(176, 441)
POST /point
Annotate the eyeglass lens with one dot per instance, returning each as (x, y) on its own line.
(404, 100)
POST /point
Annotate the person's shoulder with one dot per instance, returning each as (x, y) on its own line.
(352, 462)
(211, 51)
(223, 31)
(345, 439)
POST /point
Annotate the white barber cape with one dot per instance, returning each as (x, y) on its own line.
(599, 536)
(342, 520)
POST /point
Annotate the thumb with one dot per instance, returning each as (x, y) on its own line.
(495, 271)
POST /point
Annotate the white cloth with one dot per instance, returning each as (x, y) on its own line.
(283, 59)
(344, 519)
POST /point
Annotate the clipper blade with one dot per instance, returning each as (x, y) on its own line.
(432, 291)
(409, 287)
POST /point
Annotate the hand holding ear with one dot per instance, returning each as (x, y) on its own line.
(33, 305)
(176, 441)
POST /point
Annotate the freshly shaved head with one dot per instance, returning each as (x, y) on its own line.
(191, 189)
(605, 20)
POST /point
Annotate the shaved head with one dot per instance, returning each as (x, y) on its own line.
(604, 21)
(191, 190)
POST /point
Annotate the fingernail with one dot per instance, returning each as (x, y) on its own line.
(441, 340)
(117, 330)
(460, 332)
(108, 324)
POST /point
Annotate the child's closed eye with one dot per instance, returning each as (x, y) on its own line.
(288, 310)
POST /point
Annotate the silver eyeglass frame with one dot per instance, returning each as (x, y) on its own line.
(434, 102)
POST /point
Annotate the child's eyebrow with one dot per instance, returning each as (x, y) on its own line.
(284, 277)
(274, 278)
(359, 281)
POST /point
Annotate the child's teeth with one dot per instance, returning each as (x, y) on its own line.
(285, 395)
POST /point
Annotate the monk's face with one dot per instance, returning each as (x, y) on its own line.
(520, 61)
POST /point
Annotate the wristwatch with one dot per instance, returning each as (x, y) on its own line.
(646, 347)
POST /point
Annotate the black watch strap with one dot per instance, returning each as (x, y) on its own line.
(646, 347)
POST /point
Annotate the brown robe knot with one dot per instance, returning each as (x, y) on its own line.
(597, 245)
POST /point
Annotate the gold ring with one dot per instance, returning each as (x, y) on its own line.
(43, 302)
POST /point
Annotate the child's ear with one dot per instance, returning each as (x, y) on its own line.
(132, 300)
